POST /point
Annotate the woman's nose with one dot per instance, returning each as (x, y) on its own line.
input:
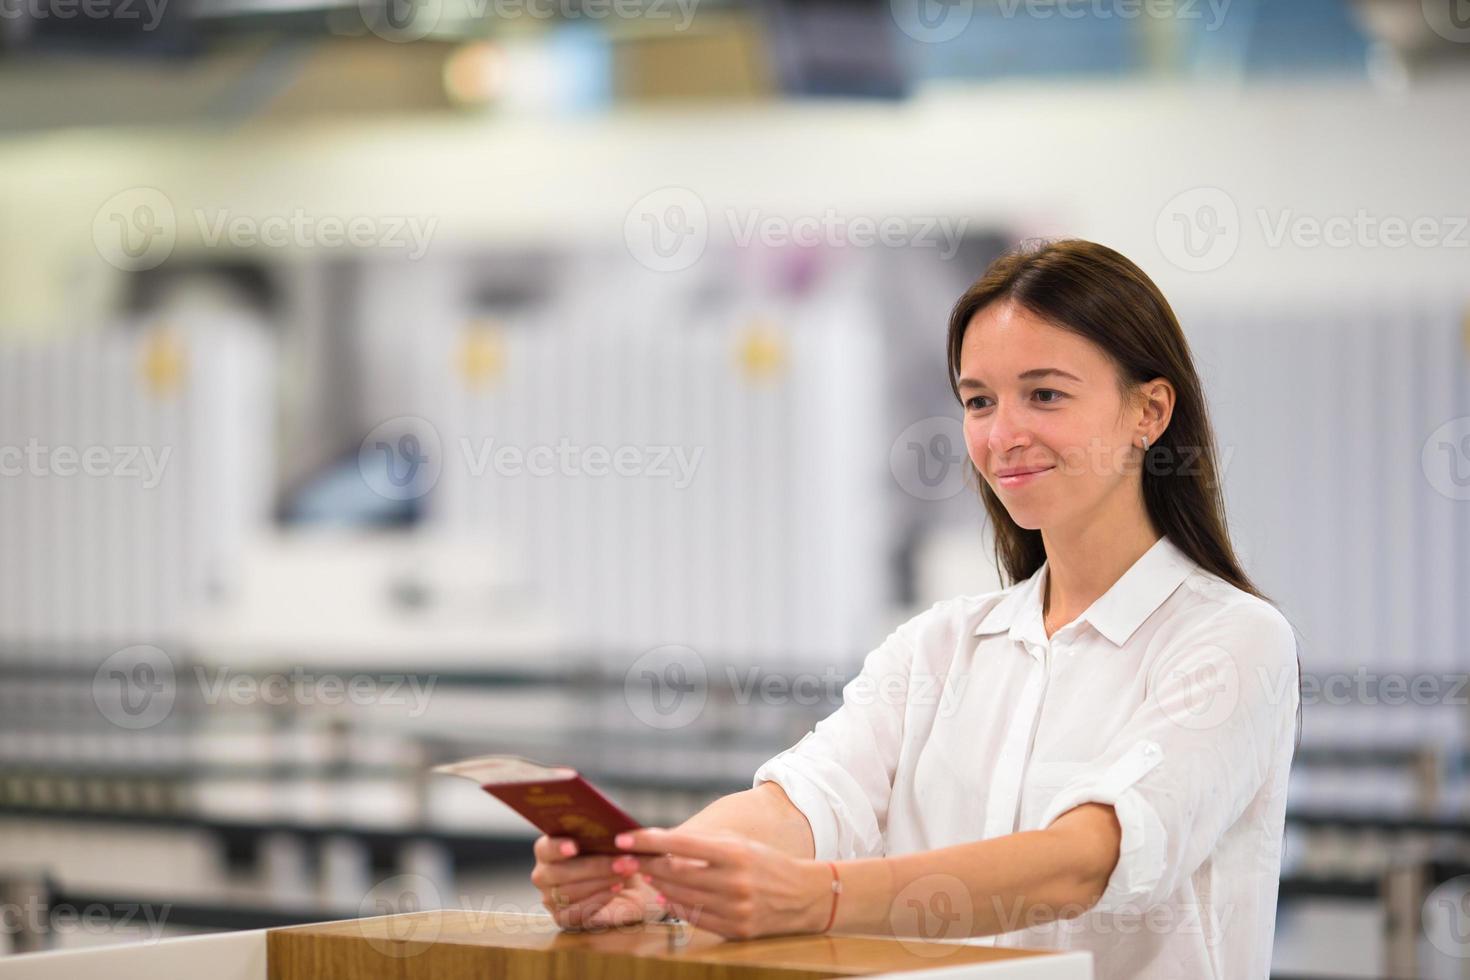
(1006, 432)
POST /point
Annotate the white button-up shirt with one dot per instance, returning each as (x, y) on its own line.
(1173, 698)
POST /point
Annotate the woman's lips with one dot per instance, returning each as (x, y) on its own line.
(1021, 479)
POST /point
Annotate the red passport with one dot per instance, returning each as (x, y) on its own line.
(556, 799)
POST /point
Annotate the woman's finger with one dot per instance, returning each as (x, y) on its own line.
(689, 897)
(584, 869)
(548, 850)
(656, 840)
(579, 915)
(686, 872)
(572, 894)
(702, 918)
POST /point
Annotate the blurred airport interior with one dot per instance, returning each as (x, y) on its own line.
(383, 383)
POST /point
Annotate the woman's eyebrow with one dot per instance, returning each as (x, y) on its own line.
(1024, 376)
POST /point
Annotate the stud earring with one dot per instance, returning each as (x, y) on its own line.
(1145, 443)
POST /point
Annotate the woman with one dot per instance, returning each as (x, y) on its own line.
(1094, 758)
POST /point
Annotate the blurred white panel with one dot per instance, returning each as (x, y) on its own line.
(712, 480)
(145, 464)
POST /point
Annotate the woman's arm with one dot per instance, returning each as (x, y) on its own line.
(765, 814)
(985, 887)
(982, 888)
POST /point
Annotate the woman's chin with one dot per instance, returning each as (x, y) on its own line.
(1026, 518)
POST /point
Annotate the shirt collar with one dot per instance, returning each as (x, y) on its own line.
(1116, 614)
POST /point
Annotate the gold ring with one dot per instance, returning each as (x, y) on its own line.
(559, 898)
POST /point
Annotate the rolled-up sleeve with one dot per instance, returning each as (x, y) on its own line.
(840, 774)
(1218, 713)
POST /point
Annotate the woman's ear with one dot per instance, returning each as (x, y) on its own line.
(1157, 406)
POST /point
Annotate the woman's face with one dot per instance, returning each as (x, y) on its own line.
(1045, 423)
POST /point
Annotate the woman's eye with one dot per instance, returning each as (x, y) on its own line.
(1050, 391)
(974, 403)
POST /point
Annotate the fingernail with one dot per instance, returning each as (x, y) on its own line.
(647, 878)
(617, 887)
(624, 840)
(662, 900)
(568, 848)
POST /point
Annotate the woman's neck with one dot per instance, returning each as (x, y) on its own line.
(1084, 563)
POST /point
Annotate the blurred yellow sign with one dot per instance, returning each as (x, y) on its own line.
(482, 353)
(762, 350)
(163, 361)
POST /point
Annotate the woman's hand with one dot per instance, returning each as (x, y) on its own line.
(592, 891)
(731, 885)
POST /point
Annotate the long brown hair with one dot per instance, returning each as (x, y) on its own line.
(1100, 295)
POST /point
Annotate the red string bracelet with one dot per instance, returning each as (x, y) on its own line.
(836, 890)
